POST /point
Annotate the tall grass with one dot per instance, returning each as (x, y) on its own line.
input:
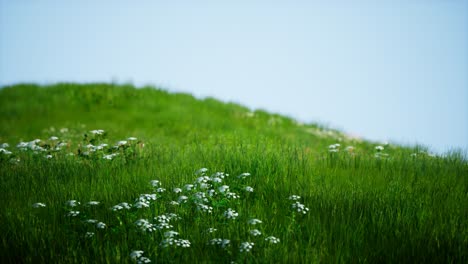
(361, 208)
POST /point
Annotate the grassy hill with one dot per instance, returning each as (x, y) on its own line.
(166, 163)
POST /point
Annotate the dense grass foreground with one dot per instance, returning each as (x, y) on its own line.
(357, 202)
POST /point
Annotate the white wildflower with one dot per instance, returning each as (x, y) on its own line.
(216, 179)
(211, 192)
(255, 232)
(97, 132)
(38, 205)
(136, 254)
(131, 138)
(243, 175)
(73, 213)
(294, 197)
(53, 138)
(223, 188)
(249, 189)
(5, 145)
(232, 195)
(230, 214)
(121, 143)
(91, 221)
(143, 260)
(204, 208)
(211, 230)
(188, 187)
(49, 156)
(72, 203)
(177, 190)
(4, 151)
(221, 242)
(89, 234)
(182, 199)
(379, 148)
(171, 233)
(145, 225)
(141, 205)
(300, 208)
(155, 183)
(174, 203)
(272, 239)
(160, 190)
(246, 246)
(254, 221)
(202, 171)
(93, 203)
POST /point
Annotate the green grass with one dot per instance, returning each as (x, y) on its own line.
(400, 208)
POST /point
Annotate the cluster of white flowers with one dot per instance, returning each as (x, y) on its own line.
(248, 189)
(89, 234)
(246, 246)
(255, 232)
(137, 256)
(211, 230)
(73, 213)
(175, 242)
(72, 203)
(38, 205)
(230, 214)
(91, 221)
(97, 132)
(300, 208)
(204, 208)
(272, 240)
(294, 197)
(334, 147)
(243, 175)
(220, 242)
(101, 225)
(145, 225)
(254, 221)
(4, 151)
(232, 195)
(93, 203)
(121, 206)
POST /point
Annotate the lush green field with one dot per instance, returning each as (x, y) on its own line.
(358, 202)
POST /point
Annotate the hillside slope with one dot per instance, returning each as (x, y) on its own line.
(154, 163)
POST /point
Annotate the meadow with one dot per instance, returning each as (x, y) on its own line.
(106, 173)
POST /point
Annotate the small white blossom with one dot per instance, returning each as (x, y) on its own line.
(160, 190)
(223, 188)
(38, 205)
(249, 189)
(216, 179)
(155, 183)
(97, 132)
(294, 197)
(73, 213)
(177, 190)
(221, 242)
(243, 175)
(171, 233)
(143, 260)
(91, 221)
(211, 230)
(53, 138)
(230, 214)
(121, 143)
(300, 208)
(89, 234)
(131, 138)
(144, 225)
(254, 221)
(72, 203)
(272, 239)
(5, 145)
(101, 225)
(141, 205)
(49, 156)
(93, 203)
(188, 187)
(174, 203)
(246, 246)
(379, 148)
(4, 151)
(136, 254)
(204, 208)
(182, 199)
(232, 195)
(202, 171)
(255, 232)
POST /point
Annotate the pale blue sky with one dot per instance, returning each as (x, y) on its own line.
(383, 70)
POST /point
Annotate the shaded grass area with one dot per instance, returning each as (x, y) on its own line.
(403, 208)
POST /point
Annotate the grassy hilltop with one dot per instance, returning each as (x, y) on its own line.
(97, 173)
